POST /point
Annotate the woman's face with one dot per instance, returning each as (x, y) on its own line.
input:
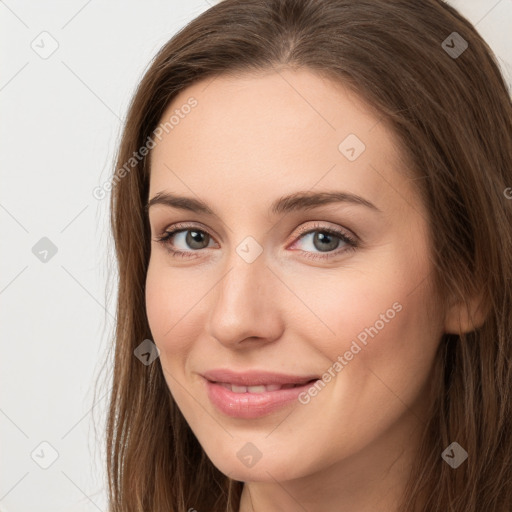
(308, 259)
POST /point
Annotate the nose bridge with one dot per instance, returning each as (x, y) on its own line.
(244, 304)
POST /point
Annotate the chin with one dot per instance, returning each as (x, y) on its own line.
(237, 464)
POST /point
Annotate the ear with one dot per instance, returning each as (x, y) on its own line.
(465, 316)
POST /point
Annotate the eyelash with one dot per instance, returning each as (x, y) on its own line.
(351, 242)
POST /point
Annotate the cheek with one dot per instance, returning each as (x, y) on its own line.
(170, 311)
(170, 308)
(377, 361)
(159, 303)
(381, 316)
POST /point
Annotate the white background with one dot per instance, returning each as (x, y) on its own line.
(61, 120)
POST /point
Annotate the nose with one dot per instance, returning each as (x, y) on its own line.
(246, 304)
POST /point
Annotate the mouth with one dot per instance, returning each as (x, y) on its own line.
(256, 379)
(253, 394)
(260, 388)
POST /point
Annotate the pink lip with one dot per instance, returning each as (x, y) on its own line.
(252, 405)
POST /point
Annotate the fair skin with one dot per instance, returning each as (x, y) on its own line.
(249, 141)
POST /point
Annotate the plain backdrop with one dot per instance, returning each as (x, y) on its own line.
(69, 69)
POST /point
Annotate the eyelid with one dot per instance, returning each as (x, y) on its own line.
(317, 226)
(347, 236)
(323, 226)
(184, 226)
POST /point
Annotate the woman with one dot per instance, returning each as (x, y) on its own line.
(312, 228)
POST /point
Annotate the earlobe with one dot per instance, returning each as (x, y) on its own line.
(462, 317)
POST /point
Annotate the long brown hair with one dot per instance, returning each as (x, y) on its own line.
(452, 114)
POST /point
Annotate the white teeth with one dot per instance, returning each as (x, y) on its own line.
(256, 389)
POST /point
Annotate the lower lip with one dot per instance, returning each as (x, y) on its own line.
(252, 405)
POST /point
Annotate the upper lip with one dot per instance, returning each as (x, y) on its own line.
(255, 377)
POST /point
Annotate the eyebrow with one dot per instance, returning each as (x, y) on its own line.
(302, 200)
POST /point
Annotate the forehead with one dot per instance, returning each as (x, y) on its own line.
(273, 133)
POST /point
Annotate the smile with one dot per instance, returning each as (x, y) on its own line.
(257, 389)
(253, 394)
